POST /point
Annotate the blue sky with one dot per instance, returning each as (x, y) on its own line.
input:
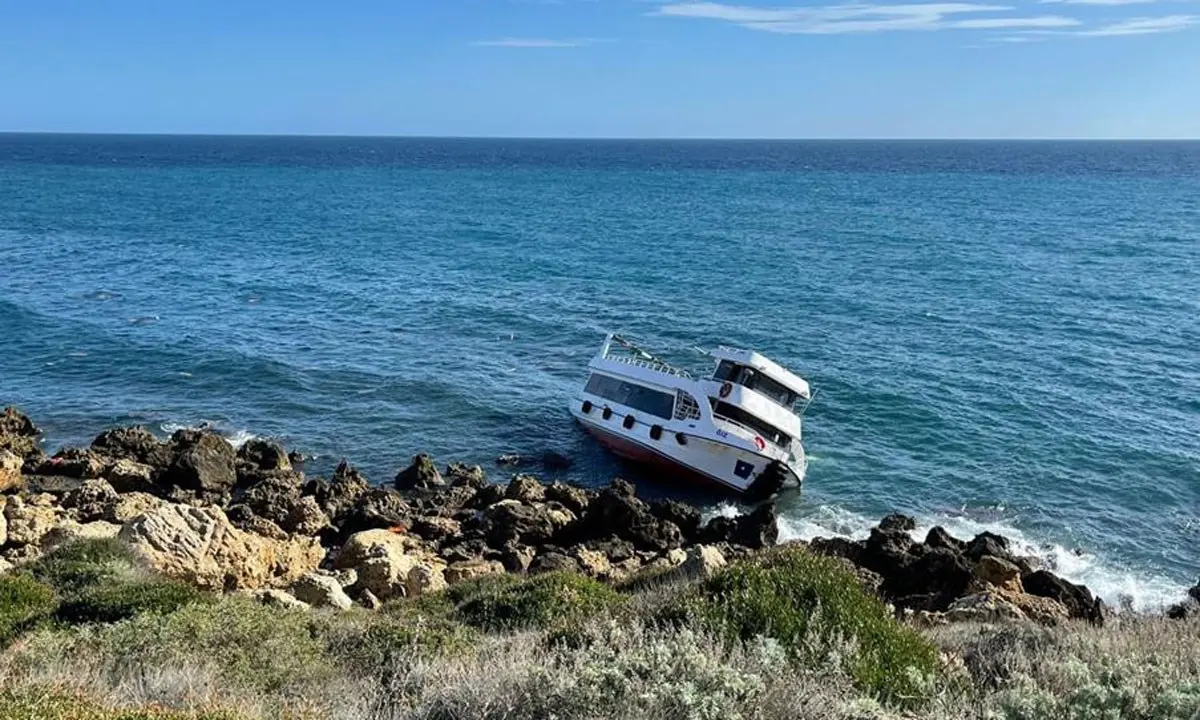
(604, 68)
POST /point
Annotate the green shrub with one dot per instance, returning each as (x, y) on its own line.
(77, 566)
(538, 601)
(819, 613)
(49, 704)
(108, 603)
(23, 602)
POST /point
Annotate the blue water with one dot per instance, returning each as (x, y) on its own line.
(1002, 335)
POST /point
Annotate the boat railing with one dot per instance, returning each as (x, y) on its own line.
(752, 432)
(638, 357)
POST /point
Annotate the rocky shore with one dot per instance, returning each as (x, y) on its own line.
(249, 520)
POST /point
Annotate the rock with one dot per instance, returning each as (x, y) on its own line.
(92, 500)
(132, 504)
(422, 474)
(931, 581)
(987, 607)
(436, 528)
(367, 599)
(617, 510)
(987, 543)
(702, 561)
(553, 562)
(339, 494)
(676, 557)
(1077, 599)
(3, 522)
(938, 537)
(569, 496)
(526, 489)
(555, 461)
(135, 444)
(1039, 609)
(510, 460)
(263, 455)
(385, 562)
(471, 569)
(376, 508)
(510, 521)
(28, 522)
(1194, 593)
(20, 555)
(1184, 610)
(305, 518)
(74, 463)
(274, 496)
(758, 529)
(897, 523)
(470, 476)
(998, 573)
(321, 590)
(615, 549)
(838, 547)
(5, 567)
(560, 517)
(591, 562)
(425, 578)
(71, 531)
(516, 558)
(684, 516)
(279, 599)
(10, 471)
(200, 546)
(203, 462)
(18, 434)
(127, 476)
(464, 550)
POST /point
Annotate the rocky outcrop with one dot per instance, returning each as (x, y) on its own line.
(321, 590)
(200, 546)
(28, 521)
(10, 471)
(1189, 607)
(422, 474)
(391, 564)
(18, 434)
(134, 444)
(203, 462)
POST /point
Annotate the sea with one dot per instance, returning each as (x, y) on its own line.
(1002, 336)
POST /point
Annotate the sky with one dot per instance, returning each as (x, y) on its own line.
(605, 68)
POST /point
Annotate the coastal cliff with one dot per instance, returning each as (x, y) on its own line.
(141, 554)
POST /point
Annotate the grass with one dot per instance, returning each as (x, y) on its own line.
(52, 704)
(551, 599)
(23, 602)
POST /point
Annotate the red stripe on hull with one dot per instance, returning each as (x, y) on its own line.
(636, 452)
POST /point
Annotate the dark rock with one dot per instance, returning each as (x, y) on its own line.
(1077, 599)
(757, 529)
(434, 528)
(553, 562)
(93, 500)
(509, 521)
(511, 460)
(463, 550)
(940, 575)
(257, 457)
(555, 461)
(516, 558)
(1183, 610)
(614, 548)
(939, 538)
(886, 551)
(572, 498)
(471, 476)
(422, 474)
(987, 543)
(897, 523)
(617, 510)
(487, 496)
(203, 462)
(79, 463)
(655, 535)
(376, 508)
(526, 489)
(134, 443)
(296, 458)
(1194, 593)
(274, 496)
(18, 434)
(338, 495)
(685, 517)
(838, 547)
(718, 530)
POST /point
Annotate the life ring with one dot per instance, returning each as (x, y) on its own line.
(762, 444)
(726, 389)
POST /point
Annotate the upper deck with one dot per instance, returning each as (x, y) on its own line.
(764, 365)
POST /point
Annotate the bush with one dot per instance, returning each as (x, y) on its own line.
(538, 601)
(816, 609)
(114, 602)
(365, 644)
(23, 602)
(50, 705)
(75, 567)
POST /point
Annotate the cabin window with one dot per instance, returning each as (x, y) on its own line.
(686, 407)
(750, 378)
(769, 432)
(638, 397)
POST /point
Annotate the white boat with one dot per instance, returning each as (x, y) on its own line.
(738, 429)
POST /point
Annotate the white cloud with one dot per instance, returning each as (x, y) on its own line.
(863, 18)
(514, 42)
(1144, 26)
(1107, 3)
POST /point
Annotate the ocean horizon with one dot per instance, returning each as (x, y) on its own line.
(1003, 334)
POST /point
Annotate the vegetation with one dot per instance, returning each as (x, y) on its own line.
(95, 637)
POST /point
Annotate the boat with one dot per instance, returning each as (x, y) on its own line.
(738, 429)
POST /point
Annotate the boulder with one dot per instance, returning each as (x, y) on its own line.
(511, 521)
(425, 578)
(127, 475)
(274, 496)
(262, 455)
(376, 508)
(10, 471)
(987, 607)
(614, 548)
(1194, 593)
(931, 581)
(553, 562)
(987, 543)
(279, 599)
(200, 546)
(321, 590)
(1041, 610)
(131, 504)
(70, 531)
(367, 599)
(3, 523)
(468, 476)
(700, 562)
(555, 461)
(517, 558)
(436, 529)
(897, 523)
(341, 492)
(525, 489)
(422, 474)
(938, 537)
(569, 496)
(471, 569)
(998, 573)
(203, 462)
(305, 517)
(135, 444)
(29, 521)
(684, 516)
(18, 434)
(592, 562)
(1077, 599)
(385, 562)
(92, 500)
(757, 529)
(838, 547)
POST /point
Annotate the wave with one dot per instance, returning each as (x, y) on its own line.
(236, 437)
(1119, 586)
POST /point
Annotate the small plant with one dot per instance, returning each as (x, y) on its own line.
(114, 602)
(49, 704)
(539, 601)
(23, 602)
(80, 565)
(818, 612)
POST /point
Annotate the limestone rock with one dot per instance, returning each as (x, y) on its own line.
(135, 444)
(279, 599)
(1077, 599)
(10, 471)
(385, 562)
(425, 578)
(377, 508)
(92, 500)
(701, 562)
(511, 521)
(76, 463)
(305, 517)
(18, 434)
(28, 522)
(436, 528)
(987, 607)
(422, 474)
(3, 522)
(591, 562)
(126, 476)
(367, 599)
(471, 569)
(469, 476)
(321, 590)
(130, 505)
(263, 455)
(340, 493)
(204, 462)
(525, 489)
(998, 573)
(5, 566)
(200, 546)
(553, 562)
(70, 531)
